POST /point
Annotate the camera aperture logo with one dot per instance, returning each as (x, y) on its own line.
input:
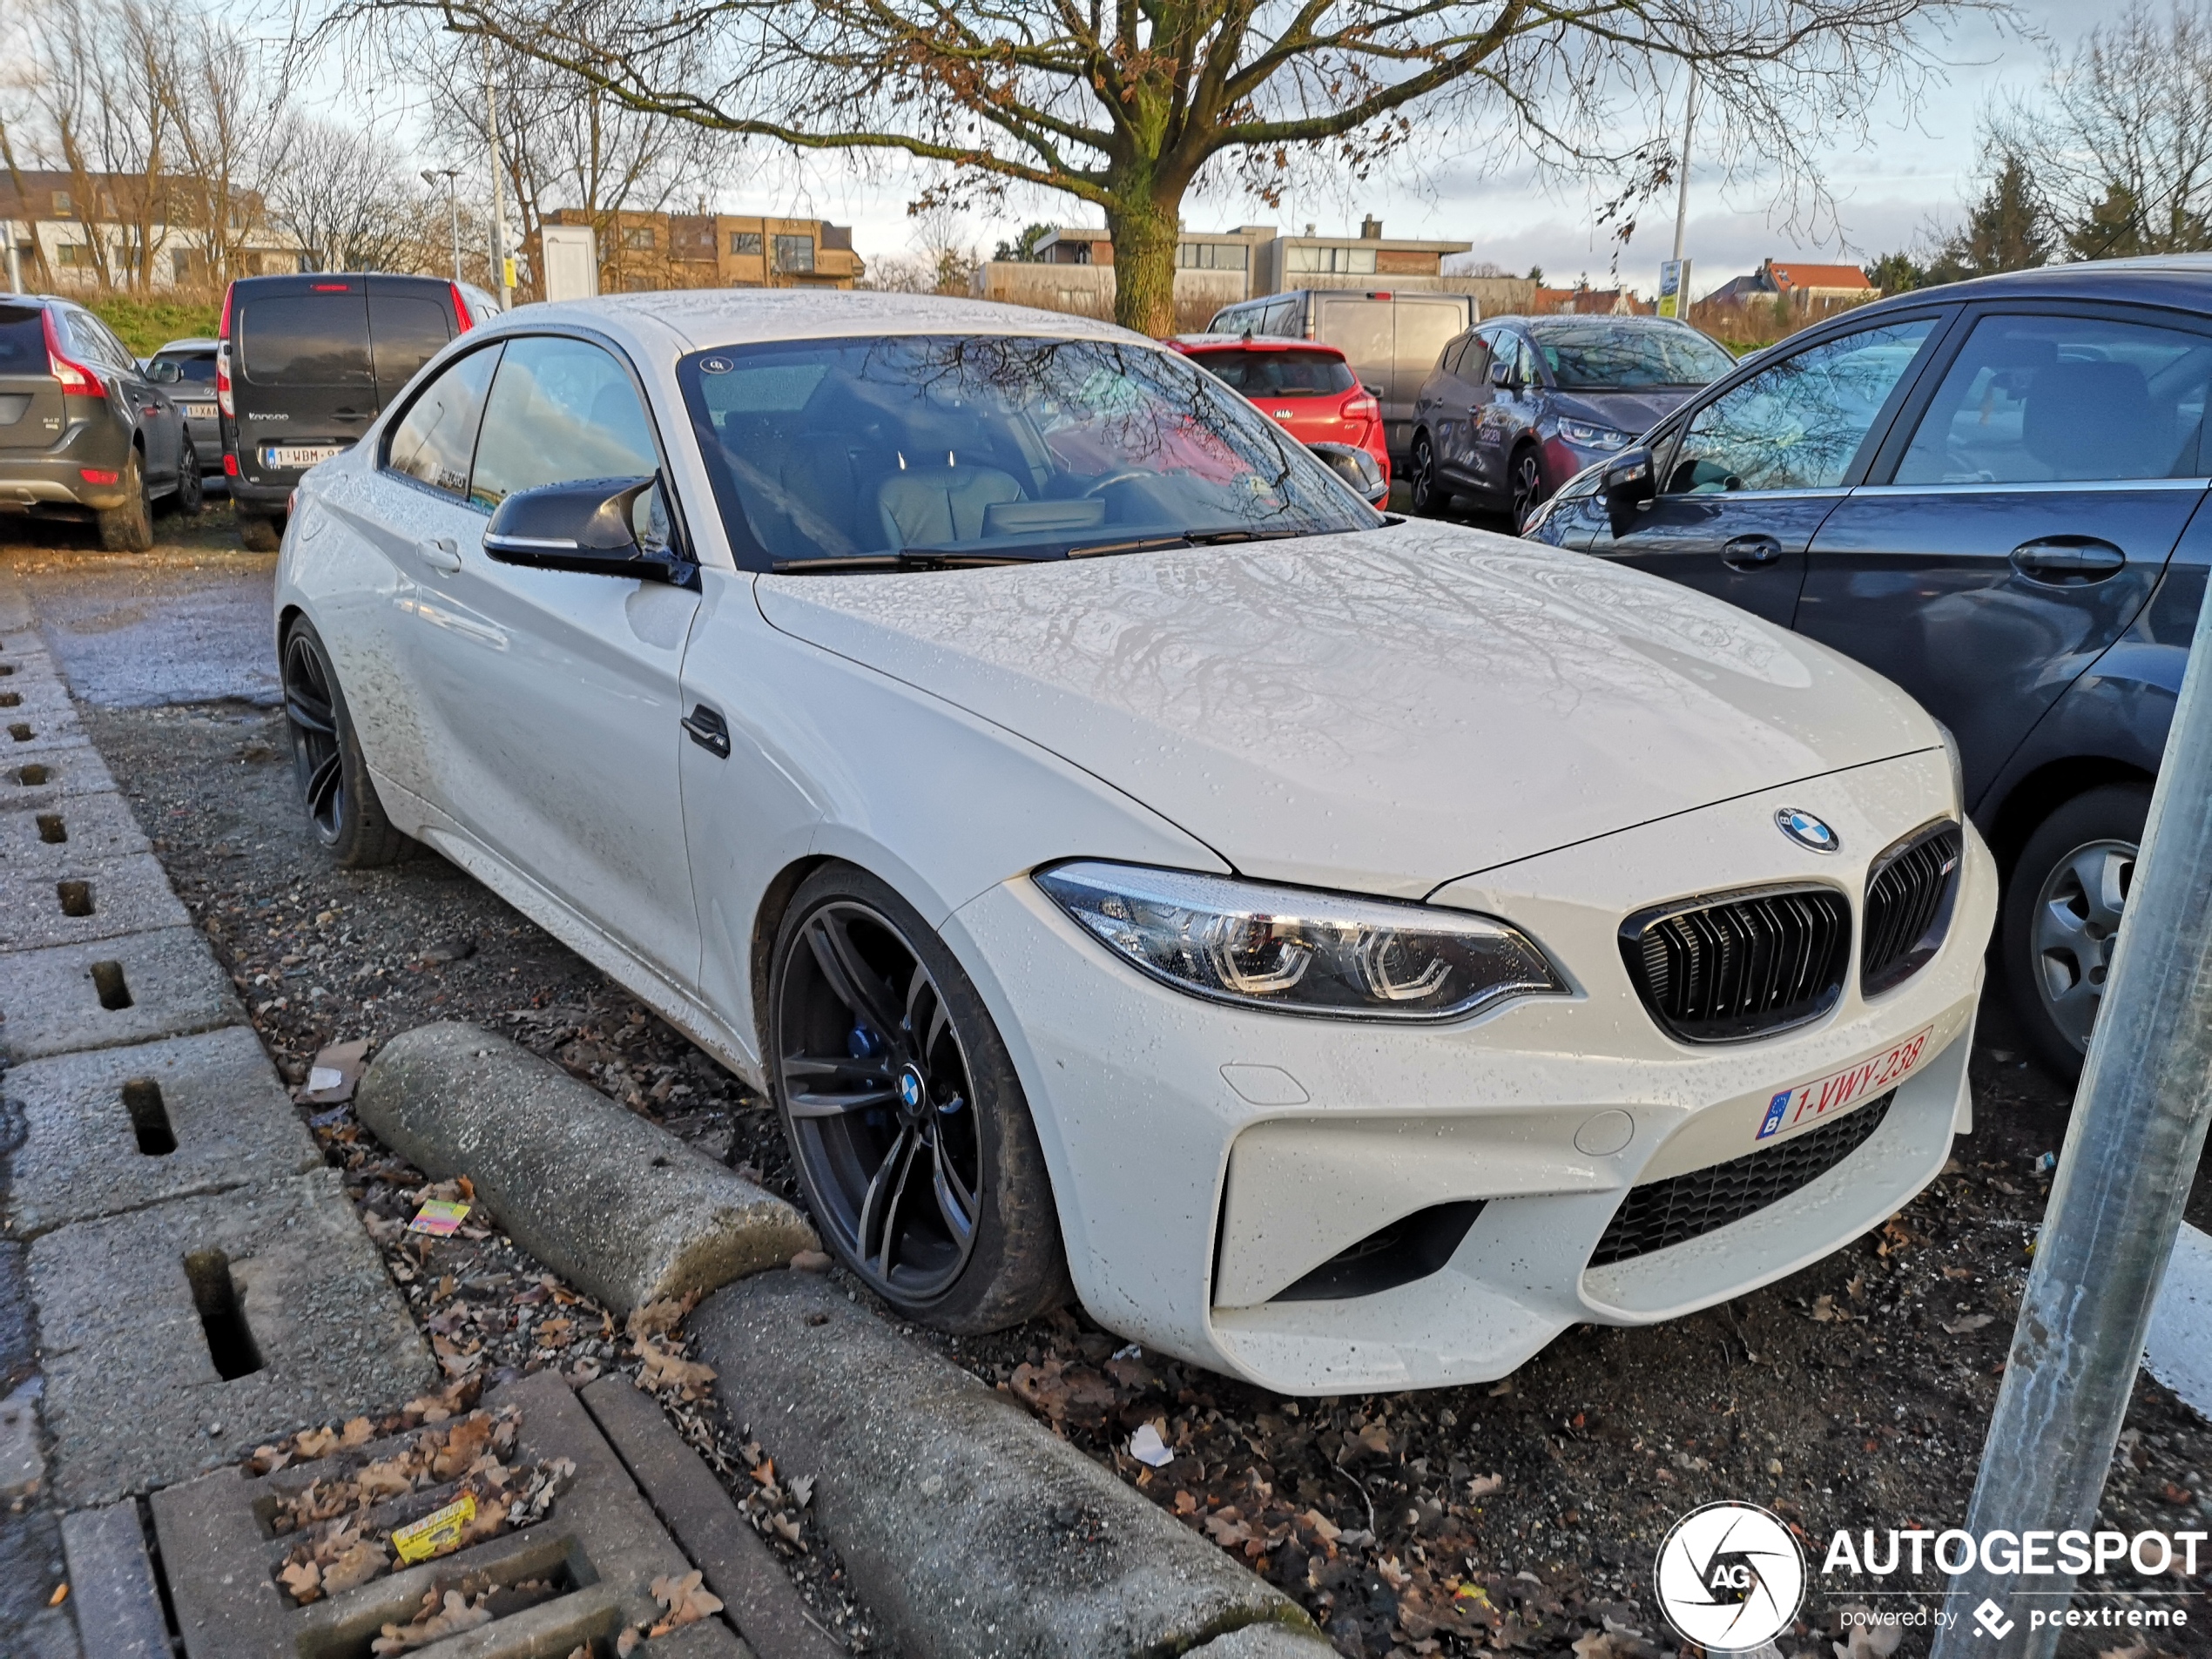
(1730, 1577)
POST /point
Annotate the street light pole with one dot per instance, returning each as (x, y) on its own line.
(1682, 193)
(2124, 1178)
(500, 268)
(430, 176)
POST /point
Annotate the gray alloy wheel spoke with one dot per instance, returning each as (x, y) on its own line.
(850, 977)
(323, 783)
(306, 715)
(954, 1201)
(874, 1211)
(851, 1086)
(896, 1201)
(2076, 917)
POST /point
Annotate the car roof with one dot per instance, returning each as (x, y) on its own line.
(2181, 280)
(195, 344)
(1198, 343)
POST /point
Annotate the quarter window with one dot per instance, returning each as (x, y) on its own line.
(432, 445)
(1800, 424)
(559, 410)
(2036, 400)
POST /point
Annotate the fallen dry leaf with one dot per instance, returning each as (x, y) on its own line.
(1972, 1322)
(437, 1620)
(687, 1601)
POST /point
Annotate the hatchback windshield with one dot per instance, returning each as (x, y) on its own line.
(1261, 373)
(964, 449)
(1602, 355)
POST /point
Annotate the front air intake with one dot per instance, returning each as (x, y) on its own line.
(1726, 967)
(1909, 899)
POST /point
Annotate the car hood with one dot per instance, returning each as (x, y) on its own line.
(1634, 413)
(1380, 711)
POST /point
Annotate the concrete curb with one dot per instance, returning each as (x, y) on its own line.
(615, 1204)
(976, 1531)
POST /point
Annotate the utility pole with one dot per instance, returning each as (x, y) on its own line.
(502, 267)
(1674, 275)
(430, 176)
(2124, 1177)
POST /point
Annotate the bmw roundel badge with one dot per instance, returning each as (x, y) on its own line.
(1807, 831)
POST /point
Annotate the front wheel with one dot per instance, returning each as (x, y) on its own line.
(2062, 911)
(1527, 482)
(128, 528)
(335, 784)
(903, 1113)
(1430, 498)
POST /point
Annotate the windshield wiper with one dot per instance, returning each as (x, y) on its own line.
(1183, 538)
(915, 558)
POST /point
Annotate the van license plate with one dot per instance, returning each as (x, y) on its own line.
(1808, 1102)
(299, 454)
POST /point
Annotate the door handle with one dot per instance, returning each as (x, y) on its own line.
(709, 730)
(1750, 552)
(442, 554)
(2067, 560)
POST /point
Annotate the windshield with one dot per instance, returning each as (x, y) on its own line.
(1262, 372)
(1609, 356)
(937, 450)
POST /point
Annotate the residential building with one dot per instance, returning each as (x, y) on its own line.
(1367, 260)
(97, 227)
(1586, 301)
(1818, 288)
(640, 250)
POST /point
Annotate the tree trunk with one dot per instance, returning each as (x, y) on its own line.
(1145, 230)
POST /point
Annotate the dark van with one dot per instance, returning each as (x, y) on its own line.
(305, 363)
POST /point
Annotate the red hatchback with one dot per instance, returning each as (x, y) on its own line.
(1304, 385)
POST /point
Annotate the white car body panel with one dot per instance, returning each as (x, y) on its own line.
(1421, 712)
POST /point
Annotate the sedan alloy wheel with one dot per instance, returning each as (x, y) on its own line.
(1528, 486)
(334, 785)
(2077, 919)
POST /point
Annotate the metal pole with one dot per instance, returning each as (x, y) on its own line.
(15, 262)
(452, 205)
(2124, 1177)
(498, 197)
(1681, 194)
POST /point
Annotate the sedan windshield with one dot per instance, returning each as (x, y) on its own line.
(965, 449)
(1602, 355)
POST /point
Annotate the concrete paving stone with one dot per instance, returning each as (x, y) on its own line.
(25, 695)
(136, 1396)
(31, 1565)
(23, 1465)
(93, 1125)
(24, 736)
(96, 898)
(51, 1000)
(112, 1585)
(757, 1594)
(41, 781)
(1266, 1642)
(89, 827)
(975, 1531)
(600, 1541)
(615, 1204)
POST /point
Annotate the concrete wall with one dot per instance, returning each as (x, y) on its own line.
(1087, 290)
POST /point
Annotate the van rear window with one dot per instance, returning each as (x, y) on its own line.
(304, 340)
(23, 340)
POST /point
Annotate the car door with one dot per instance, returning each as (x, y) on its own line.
(1759, 466)
(552, 696)
(159, 425)
(2029, 506)
(1473, 393)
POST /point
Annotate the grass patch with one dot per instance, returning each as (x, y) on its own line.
(145, 326)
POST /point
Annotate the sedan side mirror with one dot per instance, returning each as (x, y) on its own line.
(1627, 486)
(589, 526)
(1502, 375)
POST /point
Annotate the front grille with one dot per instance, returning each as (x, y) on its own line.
(1725, 968)
(1683, 1207)
(1908, 906)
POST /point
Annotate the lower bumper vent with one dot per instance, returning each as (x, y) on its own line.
(1683, 1207)
(1410, 1248)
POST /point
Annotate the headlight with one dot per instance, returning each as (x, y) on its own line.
(1301, 952)
(1584, 436)
(1958, 766)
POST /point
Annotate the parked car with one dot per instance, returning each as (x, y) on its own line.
(1351, 951)
(1306, 386)
(1516, 408)
(1991, 493)
(1391, 338)
(186, 370)
(305, 364)
(84, 435)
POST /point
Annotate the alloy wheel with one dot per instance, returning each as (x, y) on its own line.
(1528, 486)
(1421, 481)
(2076, 918)
(318, 761)
(879, 1102)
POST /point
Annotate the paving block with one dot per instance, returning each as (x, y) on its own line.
(95, 898)
(178, 1337)
(27, 739)
(30, 695)
(36, 782)
(23, 1465)
(108, 992)
(95, 1126)
(757, 1594)
(89, 827)
(601, 1543)
(112, 1585)
(1266, 1641)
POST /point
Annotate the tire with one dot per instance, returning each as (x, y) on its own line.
(2062, 905)
(128, 528)
(258, 532)
(865, 1098)
(189, 494)
(1427, 495)
(1525, 482)
(334, 785)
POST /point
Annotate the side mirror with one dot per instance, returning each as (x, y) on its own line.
(1502, 375)
(1357, 467)
(590, 526)
(1626, 485)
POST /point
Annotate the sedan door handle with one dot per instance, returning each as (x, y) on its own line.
(2067, 560)
(1750, 552)
(442, 553)
(709, 730)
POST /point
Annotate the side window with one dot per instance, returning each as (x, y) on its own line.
(2036, 400)
(1799, 424)
(1281, 320)
(1475, 364)
(432, 444)
(559, 410)
(1526, 369)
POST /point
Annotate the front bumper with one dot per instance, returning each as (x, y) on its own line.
(1205, 1157)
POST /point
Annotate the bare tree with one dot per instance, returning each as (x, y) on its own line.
(352, 201)
(1126, 106)
(211, 87)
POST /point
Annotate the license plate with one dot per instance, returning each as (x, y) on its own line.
(299, 454)
(199, 411)
(1840, 1090)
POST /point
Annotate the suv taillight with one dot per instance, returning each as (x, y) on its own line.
(77, 379)
(223, 378)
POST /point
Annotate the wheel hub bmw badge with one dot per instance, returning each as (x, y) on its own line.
(1807, 831)
(910, 1089)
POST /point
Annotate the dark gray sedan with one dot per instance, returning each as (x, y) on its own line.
(1517, 406)
(186, 368)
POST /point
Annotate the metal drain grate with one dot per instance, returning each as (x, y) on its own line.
(1683, 1207)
